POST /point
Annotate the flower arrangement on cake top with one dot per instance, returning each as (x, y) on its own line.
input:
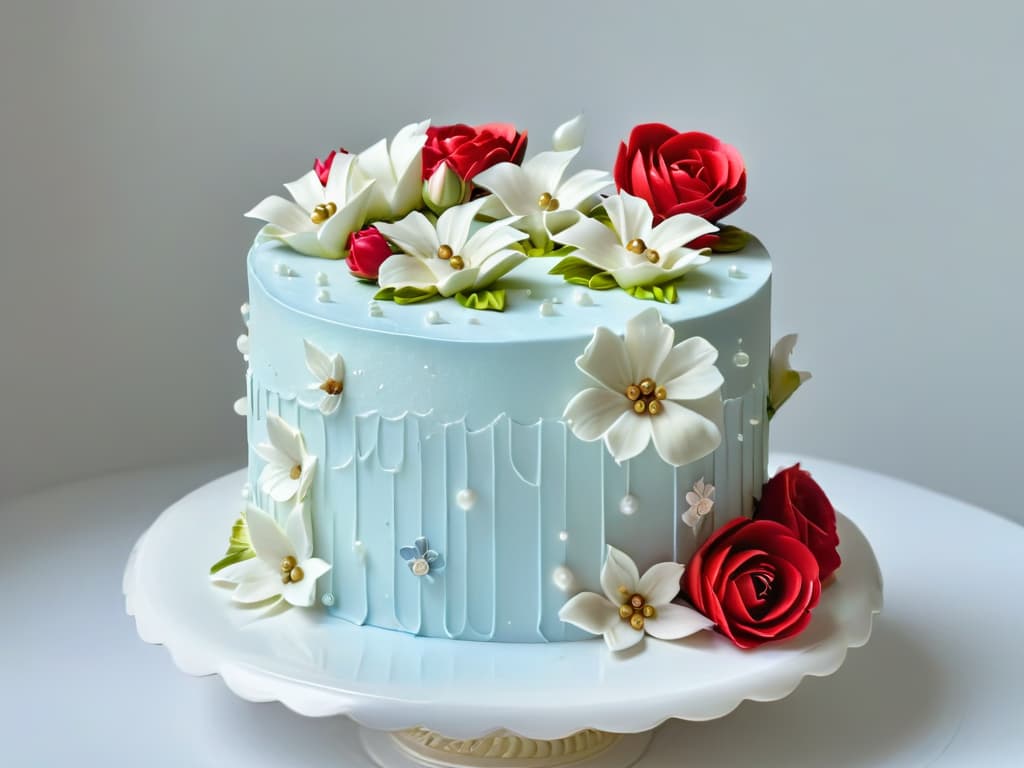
(447, 211)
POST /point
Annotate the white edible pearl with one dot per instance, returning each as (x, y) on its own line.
(466, 499)
(582, 299)
(242, 343)
(563, 578)
(433, 318)
(241, 406)
(563, 535)
(741, 359)
(547, 308)
(321, 278)
(246, 491)
(323, 296)
(629, 505)
(359, 550)
(327, 599)
(375, 310)
(735, 271)
(284, 270)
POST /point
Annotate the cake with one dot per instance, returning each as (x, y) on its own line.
(487, 390)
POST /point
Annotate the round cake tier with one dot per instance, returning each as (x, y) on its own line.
(450, 428)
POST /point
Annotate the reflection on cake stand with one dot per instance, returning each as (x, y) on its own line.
(424, 701)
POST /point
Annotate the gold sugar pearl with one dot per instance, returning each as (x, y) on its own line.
(552, 205)
(332, 387)
(661, 393)
(456, 262)
(623, 591)
(296, 472)
(544, 200)
(445, 252)
(633, 392)
(287, 564)
(323, 212)
(637, 622)
(646, 386)
(654, 407)
(296, 574)
(625, 612)
(640, 406)
(636, 245)
(649, 612)
(653, 256)
(636, 601)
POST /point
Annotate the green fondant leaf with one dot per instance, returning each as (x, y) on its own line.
(574, 267)
(666, 294)
(730, 240)
(405, 295)
(239, 547)
(224, 562)
(483, 299)
(602, 281)
(600, 214)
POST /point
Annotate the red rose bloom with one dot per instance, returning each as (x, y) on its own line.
(755, 580)
(468, 150)
(793, 499)
(323, 167)
(681, 172)
(367, 250)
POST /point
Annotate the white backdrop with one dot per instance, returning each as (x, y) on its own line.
(883, 142)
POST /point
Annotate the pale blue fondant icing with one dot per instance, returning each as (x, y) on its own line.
(429, 410)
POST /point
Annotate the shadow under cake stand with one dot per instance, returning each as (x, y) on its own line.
(496, 704)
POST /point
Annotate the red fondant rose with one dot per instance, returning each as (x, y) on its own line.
(755, 580)
(367, 250)
(681, 172)
(795, 500)
(467, 149)
(323, 167)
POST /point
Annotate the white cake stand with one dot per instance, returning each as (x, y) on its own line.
(497, 704)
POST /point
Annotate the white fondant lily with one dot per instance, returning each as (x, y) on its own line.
(635, 252)
(569, 135)
(701, 500)
(265, 576)
(783, 381)
(536, 191)
(474, 261)
(682, 410)
(289, 470)
(395, 171)
(649, 597)
(321, 218)
(328, 376)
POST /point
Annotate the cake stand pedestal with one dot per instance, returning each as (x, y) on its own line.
(497, 705)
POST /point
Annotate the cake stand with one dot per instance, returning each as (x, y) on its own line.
(497, 705)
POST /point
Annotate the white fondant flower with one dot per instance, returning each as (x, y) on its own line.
(633, 605)
(783, 381)
(649, 389)
(701, 500)
(445, 256)
(284, 566)
(322, 217)
(636, 252)
(569, 135)
(536, 189)
(328, 375)
(289, 469)
(396, 171)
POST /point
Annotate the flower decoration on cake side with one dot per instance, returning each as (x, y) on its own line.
(322, 216)
(783, 381)
(289, 470)
(701, 500)
(422, 560)
(394, 170)
(649, 390)
(281, 566)
(448, 258)
(328, 376)
(632, 605)
(644, 259)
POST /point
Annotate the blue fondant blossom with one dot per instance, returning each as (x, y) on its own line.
(421, 558)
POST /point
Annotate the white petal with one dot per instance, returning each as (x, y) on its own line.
(268, 540)
(340, 180)
(456, 280)
(683, 436)
(512, 186)
(497, 265)
(619, 573)
(277, 481)
(677, 231)
(301, 242)
(595, 242)
(675, 621)
(244, 570)
(694, 384)
(282, 213)
(648, 342)
(257, 590)
(569, 135)
(628, 436)
(272, 455)
(329, 404)
(307, 191)
(413, 234)
(337, 367)
(453, 225)
(691, 353)
(400, 270)
(491, 239)
(660, 583)
(606, 362)
(317, 361)
(306, 476)
(298, 529)
(590, 612)
(302, 594)
(621, 636)
(645, 273)
(593, 411)
(285, 438)
(631, 216)
(580, 187)
(546, 169)
(349, 218)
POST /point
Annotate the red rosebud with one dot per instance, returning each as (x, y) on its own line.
(468, 150)
(681, 172)
(793, 499)
(755, 580)
(367, 250)
(323, 167)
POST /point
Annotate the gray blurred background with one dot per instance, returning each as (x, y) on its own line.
(883, 142)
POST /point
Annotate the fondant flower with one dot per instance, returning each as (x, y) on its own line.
(367, 250)
(701, 500)
(755, 580)
(283, 565)
(537, 189)
(328, 376)
(421, 558)
(322, 217)
(634, 251)
(289, 469)
(681, 172)
(633, 605)
(569, 135)
(467, 150)
(783, 381)
(445, 256)
(649, 390)
(323, 167)
(793, 499)
(395, 171)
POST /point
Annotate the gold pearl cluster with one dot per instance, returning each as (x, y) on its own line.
(635, 610)
(639, 247)
(445, 253)
(323, 212)
(296, 472)
(290, 571)
(332, 387)
(547, 203)
(646, 396)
